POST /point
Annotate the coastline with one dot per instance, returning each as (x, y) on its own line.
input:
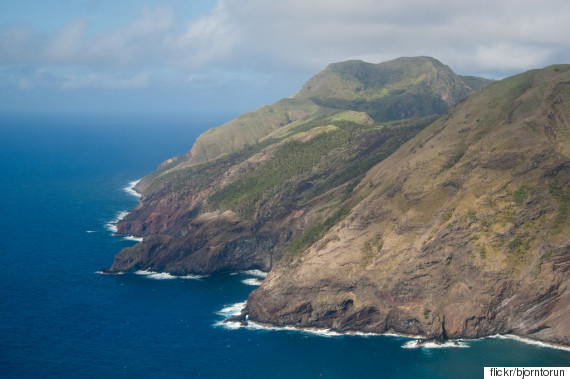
(130, 189)
(120, 215)
(234, 311)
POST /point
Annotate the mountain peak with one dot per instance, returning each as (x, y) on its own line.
(398, 89)
(401, 88)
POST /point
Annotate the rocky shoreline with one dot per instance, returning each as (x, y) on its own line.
(449, 227)
(416, 341)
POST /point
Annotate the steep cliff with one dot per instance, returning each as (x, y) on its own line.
(462, 232)
(272, 181)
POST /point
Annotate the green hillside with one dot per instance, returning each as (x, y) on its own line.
(399, 89)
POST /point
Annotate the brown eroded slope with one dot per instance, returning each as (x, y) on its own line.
(462, 232)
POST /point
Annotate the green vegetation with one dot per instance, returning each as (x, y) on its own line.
(427, 311)
(547, 256)
(352, 116)
(379, 242)
(388, 91)
(249, 128)
(379, 145)
(447, 215)
(562, 196)
(344, 150)
(520, 245)
(291, 159)
(522, 193)
(371, 248)
(452, 161)
(315, 233)
(362, 92)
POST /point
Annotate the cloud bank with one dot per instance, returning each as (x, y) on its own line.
(253, 40)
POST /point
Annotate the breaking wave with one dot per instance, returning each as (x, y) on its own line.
(110, 273)
(165, 275)
(416, 344)
(112, 225)
(133, 238)
(252, 282)
(130, 189)
(257, 273)
(531, 341)
(232, 310)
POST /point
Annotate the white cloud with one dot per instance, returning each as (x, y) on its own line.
(311, 34)
(19, 44)
(105, 81)
(256, 39)
(140, 39)
(67, 43)
(210, 38)
(138, 42)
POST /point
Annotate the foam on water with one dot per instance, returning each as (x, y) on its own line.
(155, 275)
(194, 277)
(257, 273)
(165, 275)
(133, 238)
(252, 282)
(416, 344)
(232, 310)
(531, 341)
(112, 225)
(237, 308)
(314, 331)
(130, 189)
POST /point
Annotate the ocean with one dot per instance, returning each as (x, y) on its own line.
(65, 178)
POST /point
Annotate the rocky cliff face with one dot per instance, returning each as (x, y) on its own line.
(285, 168)
(376, 213)
(463, 232)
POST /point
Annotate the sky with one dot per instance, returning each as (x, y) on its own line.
(237, 55)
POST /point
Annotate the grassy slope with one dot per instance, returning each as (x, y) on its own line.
(399, 89)
(322, 155)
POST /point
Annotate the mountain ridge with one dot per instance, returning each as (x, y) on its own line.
(237, 188)
(341, 77)
(376, 212)
(461, 233)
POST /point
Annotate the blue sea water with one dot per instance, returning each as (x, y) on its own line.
(63, 180)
